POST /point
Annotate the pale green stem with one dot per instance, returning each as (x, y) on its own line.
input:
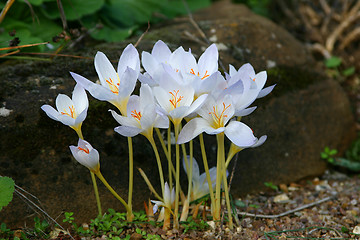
(206, 167)
(177, 177)
(152, 189)
(168, 157)
(226, 191)
(169, 154)
(158, 133)
(219, 170)
(93, 179)
(152, 142)
(232, 151)
(100, 176)
(131, 177)
(190, 170)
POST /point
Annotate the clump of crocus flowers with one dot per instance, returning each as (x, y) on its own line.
(178, 93)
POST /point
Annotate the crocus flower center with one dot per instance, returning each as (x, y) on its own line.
(218, 117)
(136, 115)
(198, 74)
(114, 87)
(84, 150)
(175, 98)
(71, 112)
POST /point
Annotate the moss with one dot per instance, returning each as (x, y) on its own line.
(289, 79)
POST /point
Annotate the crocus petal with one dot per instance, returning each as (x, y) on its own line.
(260, 141)
(81, 117)
(266, 91)
(63, 103)
(80, 99)
(149, 63)
(51, 112)
(161, 52)
(148, 117)
(240, 134)
(244, 112)
(97, 91)
(105, 70)
(192, 129)
(128, 131)
(208, 61)
(128, 82)
(195, 168)
(129, 58)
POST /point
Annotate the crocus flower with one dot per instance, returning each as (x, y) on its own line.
(214, 118)
(71, 112)
(169, 199)
(252, 87)
(152, 63)
(86, 155)
(115, 87)
(142, 116)
(200, 186)
(176, 100)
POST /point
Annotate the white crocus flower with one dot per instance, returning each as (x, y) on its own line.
(176, 100)
(115, 87)
(215, 114)
(142, 115)
(200, 186)
(71, 112)
(152, 63)
(169, 199)
(252, 84)
(86, 155)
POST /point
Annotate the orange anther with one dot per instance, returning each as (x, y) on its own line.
(113, 87)
(175, 99)
(84, 150)
(136, 114)
(72, 112)
(219, 118)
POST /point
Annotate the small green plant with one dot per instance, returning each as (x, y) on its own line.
(333, 64)
(192, 224)
(7, 188)
(328, 154)
(271, 185)
(69, 217)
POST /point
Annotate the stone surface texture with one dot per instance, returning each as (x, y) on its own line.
(305, 113)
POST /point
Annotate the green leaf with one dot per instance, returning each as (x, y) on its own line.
(348, 72)
(333, 62)
(7, 188)
(73, 10)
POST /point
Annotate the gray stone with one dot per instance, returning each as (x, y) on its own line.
(305, 113)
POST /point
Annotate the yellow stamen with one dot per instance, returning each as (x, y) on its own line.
(136, 114)
(175, 99)
(198, 74)
(113, 87)
(72, 112)
(84, 150)
(219, 118)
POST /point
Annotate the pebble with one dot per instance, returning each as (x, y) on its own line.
(356, 229)
(282, 198)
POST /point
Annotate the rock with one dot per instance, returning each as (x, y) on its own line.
(281, 198)
(305, 113)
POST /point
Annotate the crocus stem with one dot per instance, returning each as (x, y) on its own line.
(93, 179)
(226, 191)
(220, 158)
(177, 177)
(206, 167)
(100, 176)
(161, 175)
(232, 151)
(131, 178)
(169, 154)
(168, 157)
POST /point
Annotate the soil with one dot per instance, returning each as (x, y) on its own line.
(321, 208)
